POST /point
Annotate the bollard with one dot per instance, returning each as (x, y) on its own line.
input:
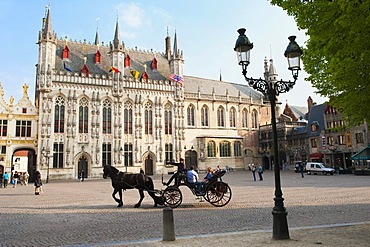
(168, 225)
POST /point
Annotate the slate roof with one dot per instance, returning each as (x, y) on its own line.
(316, 116)
(79, 50)
(207, 86)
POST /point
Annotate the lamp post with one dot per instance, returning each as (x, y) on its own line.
(272, 88)
(46, 154)
(123, 155)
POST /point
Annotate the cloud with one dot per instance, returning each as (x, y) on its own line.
(131, 14)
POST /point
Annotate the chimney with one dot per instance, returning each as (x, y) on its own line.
(309, 103)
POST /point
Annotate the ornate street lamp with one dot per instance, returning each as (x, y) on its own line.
(272, 88)
(46, 154)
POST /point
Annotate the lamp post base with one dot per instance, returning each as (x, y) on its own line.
(280, 225)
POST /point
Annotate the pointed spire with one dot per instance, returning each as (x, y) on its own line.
(272, 70)
(116, 36)
(97, 41)
(175, 50)
(220, 75)
(47, 32)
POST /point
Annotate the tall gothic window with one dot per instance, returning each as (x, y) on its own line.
(254, 119)
(190, 114)
(107, 154)
(3, 127)
(169, 152)
(211, 148)
(232, 117)
(23, 128)
(58, 155)
(168, 119)
(128, 155)
(127, 118)
(107, 117)
(83, 116)
(237, 149)
(225, 149)
(204, 116)
(245, 118)
(221, 117)
(59, 115)
(148, 115)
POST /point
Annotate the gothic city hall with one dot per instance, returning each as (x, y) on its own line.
(102, 103)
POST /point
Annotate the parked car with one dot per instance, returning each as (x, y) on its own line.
(297, 166)
(316, 167)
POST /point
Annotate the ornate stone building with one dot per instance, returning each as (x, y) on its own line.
(108, 104)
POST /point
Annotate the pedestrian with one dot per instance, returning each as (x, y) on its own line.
(82, 176)
(26, 177)
(141, 171)
(6, 179)
(249, 167)
(1, 180)
(21, 178)
(301, 168)
(15, 179)
(260, 172)
(38, 183)
(253, 169)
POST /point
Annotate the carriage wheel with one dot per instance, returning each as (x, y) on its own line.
(172, 197)
(218, 194)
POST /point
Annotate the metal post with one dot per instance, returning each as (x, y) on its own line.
(280, 223)
(47, 175)
(168, 225)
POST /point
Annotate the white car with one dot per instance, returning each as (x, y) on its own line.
(316, 167)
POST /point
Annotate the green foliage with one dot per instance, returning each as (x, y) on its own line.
(337, 54)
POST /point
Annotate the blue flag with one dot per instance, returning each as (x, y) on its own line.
(66, 68)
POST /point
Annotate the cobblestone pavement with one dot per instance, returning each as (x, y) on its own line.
(326, 210)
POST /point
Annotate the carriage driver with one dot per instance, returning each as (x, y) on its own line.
(180, 168)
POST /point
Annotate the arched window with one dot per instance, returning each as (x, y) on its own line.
(211, 148)
(232, 117)
(245, 118)
(168, 119)
(225, 149)
(221, 117)
(127, 61)
(254, 119)
(237, 149)
(127, 118)
(59, 115)
(148, 115)
(107, 117)
(65, 54)
(191, 115)
(204, 116)
(83, 116)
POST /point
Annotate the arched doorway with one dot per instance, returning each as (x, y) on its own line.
(149, 165)
(83, 166)
(191, 159)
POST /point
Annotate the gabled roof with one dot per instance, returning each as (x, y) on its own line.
(316, 116)
(208, 86)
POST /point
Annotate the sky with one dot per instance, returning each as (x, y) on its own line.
(206, 33)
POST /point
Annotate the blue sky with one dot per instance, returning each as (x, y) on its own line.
(206, 31)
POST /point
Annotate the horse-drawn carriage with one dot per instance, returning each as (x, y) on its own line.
(215, 191)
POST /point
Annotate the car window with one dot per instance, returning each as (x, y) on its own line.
(318, 166)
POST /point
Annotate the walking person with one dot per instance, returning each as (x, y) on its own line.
(6, 179)
(38, 183)
(15, 179)
(253, 169)
(301, 168)
(82, 176)
(260, 172)
(26, 177)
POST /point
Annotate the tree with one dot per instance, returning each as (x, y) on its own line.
(337, 54)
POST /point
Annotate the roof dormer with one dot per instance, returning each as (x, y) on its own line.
(145, 76)
(127, 61)
(97, 57)
(154, 64)
(66, 53)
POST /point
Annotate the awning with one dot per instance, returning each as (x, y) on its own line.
(316, 156)
(363, 154)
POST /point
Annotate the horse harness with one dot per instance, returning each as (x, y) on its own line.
(119, 180)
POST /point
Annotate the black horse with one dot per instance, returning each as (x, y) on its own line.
(124, 181)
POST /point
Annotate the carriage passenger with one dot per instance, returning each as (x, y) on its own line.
(193, 178)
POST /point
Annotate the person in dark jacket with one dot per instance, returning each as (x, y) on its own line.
(180, 168)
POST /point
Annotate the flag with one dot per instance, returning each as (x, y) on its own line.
(114, 70)
(177, 78)
(135, 73)
(66, 68)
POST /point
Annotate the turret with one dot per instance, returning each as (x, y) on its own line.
(177, 61)
(117, 51)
